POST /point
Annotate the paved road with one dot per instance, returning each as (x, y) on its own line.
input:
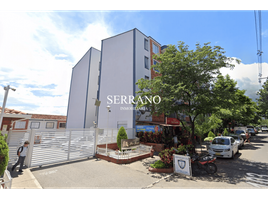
(247, 170)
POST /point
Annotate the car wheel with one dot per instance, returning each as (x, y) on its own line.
(232, 155)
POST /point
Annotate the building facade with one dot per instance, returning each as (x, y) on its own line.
(83, 91)
(110, 76)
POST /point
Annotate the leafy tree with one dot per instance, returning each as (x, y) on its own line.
(121, 135)
(262, 100)
(184, 82)
(3, 154)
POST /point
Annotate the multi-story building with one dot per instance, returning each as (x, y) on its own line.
(83, 91)
(124, 59)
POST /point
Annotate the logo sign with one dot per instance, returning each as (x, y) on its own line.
(173, 121)
(182, 164)
(130, 143)
(148, 128)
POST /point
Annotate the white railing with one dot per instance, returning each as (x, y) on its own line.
(127, 154)
(6, 181)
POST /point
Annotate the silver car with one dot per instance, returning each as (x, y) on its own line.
(239, 139)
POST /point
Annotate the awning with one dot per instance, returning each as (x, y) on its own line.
(159, 123)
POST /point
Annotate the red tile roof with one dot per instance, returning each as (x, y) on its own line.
(12, 111)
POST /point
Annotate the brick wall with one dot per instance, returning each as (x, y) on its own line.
(160, 118)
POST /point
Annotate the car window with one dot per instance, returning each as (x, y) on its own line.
(221, 141)
(239, 131)
(232, 140)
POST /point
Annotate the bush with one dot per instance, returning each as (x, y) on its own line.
(3, 154)
(166, 157)
(211, 134)
(158, 164)
(225, 132)
(121, 135)
(208, 139)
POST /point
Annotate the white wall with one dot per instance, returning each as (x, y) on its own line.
(77, 95)
(91, 114)
(116, 78)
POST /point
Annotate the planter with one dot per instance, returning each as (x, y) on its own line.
(161, 170)
(156, 147)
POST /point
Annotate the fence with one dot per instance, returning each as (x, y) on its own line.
(6, 181)
(137, 151)
(61, 145)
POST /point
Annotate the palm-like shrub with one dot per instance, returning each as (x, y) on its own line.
(122, 134)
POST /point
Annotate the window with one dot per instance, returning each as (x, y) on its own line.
(155, 49)
(50, 125)
(20, 125)
(154, 63)
(146, 77)
(62, 125)
(146, 44)
(221, 141)
(35, 125)
(232, 140)
(146, 62)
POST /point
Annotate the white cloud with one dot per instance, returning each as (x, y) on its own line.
(36, 50)
(246, 76)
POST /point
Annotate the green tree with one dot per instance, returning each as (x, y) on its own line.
(262, 100)
(184, 82)
(3, 154)
(121, 135)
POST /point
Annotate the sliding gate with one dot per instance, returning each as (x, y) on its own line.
(59, 146)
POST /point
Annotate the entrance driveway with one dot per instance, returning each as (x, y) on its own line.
(245, 171)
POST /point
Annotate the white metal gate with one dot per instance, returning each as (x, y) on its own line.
(15, 140)
(60, 145)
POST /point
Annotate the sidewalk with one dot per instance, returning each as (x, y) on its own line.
(24, 180)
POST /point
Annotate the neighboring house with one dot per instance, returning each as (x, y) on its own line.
(123, 60)
(18, 120)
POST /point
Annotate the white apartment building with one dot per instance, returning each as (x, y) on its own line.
(83, 91)
(124, 59)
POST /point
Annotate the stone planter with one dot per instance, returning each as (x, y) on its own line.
(161, 170)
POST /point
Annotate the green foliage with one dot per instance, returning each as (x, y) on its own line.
(196, 70)
(208, 139)
(263, 100)
(151, 137)
(166, 157)
(121, 135)
(3, 154)
(211, 134)
(225, 132)
(158, 164)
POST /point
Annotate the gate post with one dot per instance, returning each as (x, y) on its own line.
(69, 145)
(30, 150)
(96, 133)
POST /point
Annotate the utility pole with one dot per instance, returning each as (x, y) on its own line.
(4, 103)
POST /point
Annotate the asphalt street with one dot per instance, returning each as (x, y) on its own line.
(248, 170)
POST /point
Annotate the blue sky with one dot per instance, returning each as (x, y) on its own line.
(39, 49)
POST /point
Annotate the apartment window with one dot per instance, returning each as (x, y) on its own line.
(155, 49)
(35, 125)
(154, 63)
(146, 62)
(62, 125)
(146, 44)
(20, 125)
(146, 77)
(50, 125)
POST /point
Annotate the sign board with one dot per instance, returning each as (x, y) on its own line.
(130, 143)
(4, 128)
(182, 164)
(148, 128)
(173, 121)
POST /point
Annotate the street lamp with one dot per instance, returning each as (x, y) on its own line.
(108, 109)
(4, 102)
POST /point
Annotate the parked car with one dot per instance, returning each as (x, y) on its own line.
(223, 146)
(264, 129)
(241, 132)
(239, 139)
(251, 131)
